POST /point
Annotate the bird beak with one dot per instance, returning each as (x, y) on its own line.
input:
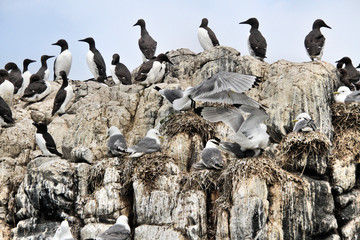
(294, 120)
(243, 22)
(171, 62)
(327, 26)
(54, 44)
(161, 137)
(336, 93)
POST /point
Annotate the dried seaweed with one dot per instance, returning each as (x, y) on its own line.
(346, 122)
(190, 123)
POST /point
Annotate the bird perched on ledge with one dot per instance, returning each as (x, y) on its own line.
(256, 42)
(206, 36)
(45, 141)
(315, 41)
(147, 44)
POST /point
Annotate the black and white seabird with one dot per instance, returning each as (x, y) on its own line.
(210, 157)
(256, 42)
(206, 36)
(119, 72)
(5, 113)
(315, 41)
(44, 71)
(147, 44)
(63, 96)
(45, 141)
(6, 87)
(345, 95)
(304, 123)
(95, 61)
(14, 75)
(117, 143)
(352, 74)
(152, 71)
(37, 90)
(26, 75)
(64, 60)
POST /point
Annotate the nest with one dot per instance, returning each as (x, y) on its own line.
(297, 146)
(96, 176)
(345, 116)
(189, 123)
(346, 122)
(237, 170)
(150, 167)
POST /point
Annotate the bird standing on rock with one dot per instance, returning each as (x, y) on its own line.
(6, 87)
(64, 60)
(15, 76)
(315, 40)
(147, 44)
(206, 36)
(5, 114)
(45, 141)
(26, 75)
(119, 72)
(152, 71)
(256, 42)
(95, 61)
(353, 75)
(63, 96)
(44, 71)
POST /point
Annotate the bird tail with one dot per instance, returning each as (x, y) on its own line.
(157, 88)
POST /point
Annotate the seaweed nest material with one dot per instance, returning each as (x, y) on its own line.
(189, 123)
(237, 170)
(346, 121)
(150, 167)
(298, 146)
(345, 116)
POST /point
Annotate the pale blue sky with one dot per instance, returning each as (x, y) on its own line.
(30, 27)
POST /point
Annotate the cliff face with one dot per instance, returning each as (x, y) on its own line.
(280, 195)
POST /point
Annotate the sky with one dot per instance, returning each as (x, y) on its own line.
(30, 27)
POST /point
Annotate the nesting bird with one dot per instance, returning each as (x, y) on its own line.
(26, 75)
(152, 71)
(315, 40)
(45, 141)
(149, 144)
(210, 157)
(37, 90)
(95, 61)
(147, 44)
(63, 96)
(117, 143)
(119, 72)
(15, 75)
(206, 36)
(6, 87)
(44, 71)
(5, 114)
(345, 95)
(304, 123)
(256, 42)
(120, 230)
(63, 232)
(64, 60)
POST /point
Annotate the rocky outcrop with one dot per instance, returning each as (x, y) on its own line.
(164, 198)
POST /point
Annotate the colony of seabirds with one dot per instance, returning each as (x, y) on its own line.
(249, 137)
